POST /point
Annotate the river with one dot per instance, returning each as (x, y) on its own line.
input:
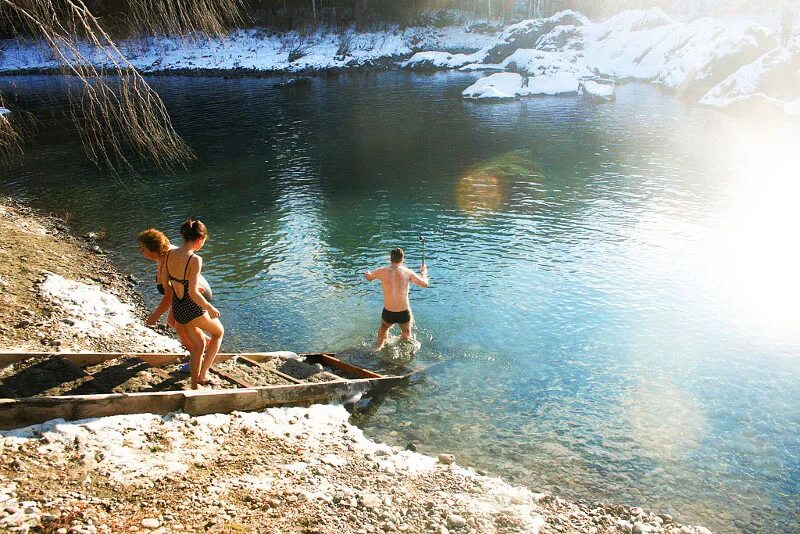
(614, 285)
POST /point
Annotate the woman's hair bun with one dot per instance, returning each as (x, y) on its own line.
(193, 229)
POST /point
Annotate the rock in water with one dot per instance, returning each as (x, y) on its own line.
(446, 459)
(592, 89)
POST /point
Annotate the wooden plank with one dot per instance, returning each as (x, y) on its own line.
(154, 359)
(158, 360)
(15, 413)
(233, 380)
(269, 370)
(328, 359)
(7, 358)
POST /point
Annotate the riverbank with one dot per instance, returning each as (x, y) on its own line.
(282, 470)
(723, 63)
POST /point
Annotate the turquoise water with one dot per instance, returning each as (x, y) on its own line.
(614, 286)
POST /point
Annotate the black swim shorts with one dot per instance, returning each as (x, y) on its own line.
(390, 317)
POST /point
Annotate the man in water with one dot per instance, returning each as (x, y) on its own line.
(396, 308)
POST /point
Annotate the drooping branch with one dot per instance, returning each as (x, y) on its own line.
(10, 139)
(183, 17)
(116, 112)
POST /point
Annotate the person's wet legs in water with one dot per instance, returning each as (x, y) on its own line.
(189, 306)
(395, 279)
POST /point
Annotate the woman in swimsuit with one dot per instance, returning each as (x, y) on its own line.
(154, 246)
(189, 307)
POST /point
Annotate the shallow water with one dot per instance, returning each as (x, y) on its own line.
(614, 285)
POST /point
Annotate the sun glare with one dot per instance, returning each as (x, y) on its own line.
(754, 255)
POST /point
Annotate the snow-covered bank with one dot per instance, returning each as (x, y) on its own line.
(59, 292)
(261, 51)
(282, 470)
(716, 62)
(91, 312)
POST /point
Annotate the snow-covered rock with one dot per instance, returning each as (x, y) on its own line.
(525, 34)
(552, 84)
(688, 56)
(539, 62)
(512, 85)
(726, 60)
(422, 60)
(774, 76)
(593, 89)
(500, 85)
(4, 111)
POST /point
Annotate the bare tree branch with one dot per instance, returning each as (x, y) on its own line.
(116, 113)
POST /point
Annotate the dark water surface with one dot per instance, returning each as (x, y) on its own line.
(615, 286)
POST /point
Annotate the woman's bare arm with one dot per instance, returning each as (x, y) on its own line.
(166, 300)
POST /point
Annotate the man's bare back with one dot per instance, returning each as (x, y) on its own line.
(395, 280)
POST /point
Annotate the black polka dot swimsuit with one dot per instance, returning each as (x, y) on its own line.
(184, 309)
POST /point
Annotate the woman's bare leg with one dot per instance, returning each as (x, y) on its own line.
(180, 330)
(215, 330)
(196, 358)
(186, 341)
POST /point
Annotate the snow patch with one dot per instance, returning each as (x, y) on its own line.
(496, 86)
(138, 450)
(793, 107)
(258, 50)
(4, 111)
(552, 84)
(596, 90)
(96, 313)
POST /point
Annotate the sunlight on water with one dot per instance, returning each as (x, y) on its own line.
(664, 421)
(752, 258)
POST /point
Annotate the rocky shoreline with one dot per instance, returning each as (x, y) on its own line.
(304, 470)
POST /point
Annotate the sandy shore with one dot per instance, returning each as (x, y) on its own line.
(285, 470)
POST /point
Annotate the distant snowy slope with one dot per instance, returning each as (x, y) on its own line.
(717, 62)
(263, 51)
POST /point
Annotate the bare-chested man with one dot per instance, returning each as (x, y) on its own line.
(394, 279)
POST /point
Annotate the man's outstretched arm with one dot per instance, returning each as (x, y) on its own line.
(370, 275)
(420, 279)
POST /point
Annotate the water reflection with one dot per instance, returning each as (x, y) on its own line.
(485, 188)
